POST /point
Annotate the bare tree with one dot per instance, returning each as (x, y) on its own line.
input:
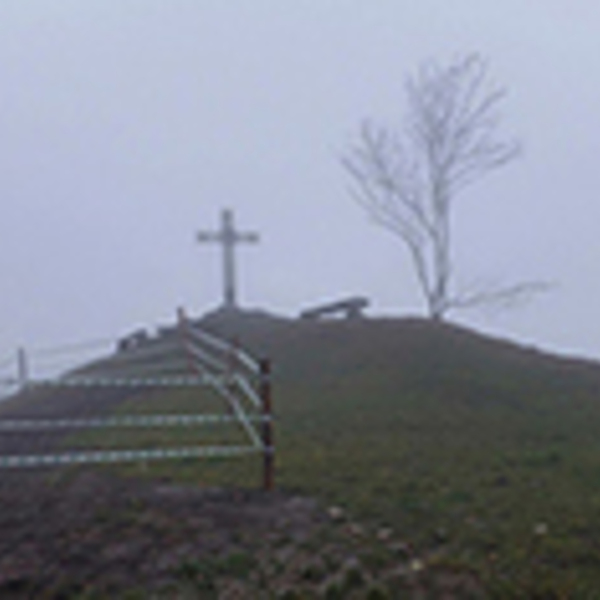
(408, 182)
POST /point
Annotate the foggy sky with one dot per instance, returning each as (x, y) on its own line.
(127, 125)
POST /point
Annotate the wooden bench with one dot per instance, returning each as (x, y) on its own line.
(350, 308)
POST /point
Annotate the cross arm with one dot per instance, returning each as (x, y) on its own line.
(209, 236)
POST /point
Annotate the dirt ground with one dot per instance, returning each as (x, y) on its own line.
(86, 533)
(64, 533)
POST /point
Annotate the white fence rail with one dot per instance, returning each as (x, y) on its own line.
(185, 356)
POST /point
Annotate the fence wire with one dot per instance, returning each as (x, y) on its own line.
(94, 411)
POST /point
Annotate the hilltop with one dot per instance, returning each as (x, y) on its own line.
(478, 449)
(410, 353)
(475, 458)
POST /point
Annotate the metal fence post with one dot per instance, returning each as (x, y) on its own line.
(23, 368)
(267, 426)
(183, 326)
(232, 364)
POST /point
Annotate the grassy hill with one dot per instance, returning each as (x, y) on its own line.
(481, 455)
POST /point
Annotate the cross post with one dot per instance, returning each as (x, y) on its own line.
(228, 237)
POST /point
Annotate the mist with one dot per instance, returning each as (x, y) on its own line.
(127, 127)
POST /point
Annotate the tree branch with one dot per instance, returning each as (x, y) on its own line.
(408, 184)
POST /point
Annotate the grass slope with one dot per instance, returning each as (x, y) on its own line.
(485, 455)
(481, 455)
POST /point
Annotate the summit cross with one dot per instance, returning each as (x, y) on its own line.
(228, 237)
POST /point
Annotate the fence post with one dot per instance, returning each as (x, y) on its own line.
(267, 426)
(184, 335)
(232, 363)
(22, 367)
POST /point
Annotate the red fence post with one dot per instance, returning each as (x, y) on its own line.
(267, 426)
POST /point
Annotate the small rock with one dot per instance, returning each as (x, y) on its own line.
(336, 513)
(401, 549)
(416, 565)
(351, 562)
(355, 530)
(540, 529)
(384, 534)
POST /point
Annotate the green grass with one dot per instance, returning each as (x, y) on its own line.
(486, 449)
(483, 456)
